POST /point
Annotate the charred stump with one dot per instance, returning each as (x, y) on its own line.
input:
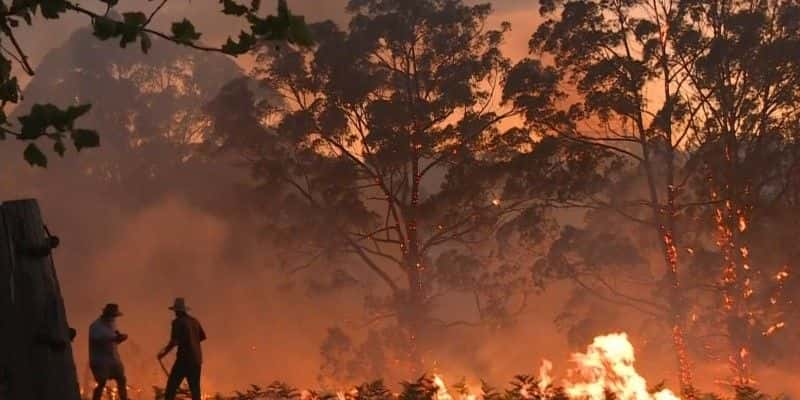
(36, 360)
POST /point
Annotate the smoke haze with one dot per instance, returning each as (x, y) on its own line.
(141, 245)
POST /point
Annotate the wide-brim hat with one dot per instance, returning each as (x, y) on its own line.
(179, 305)
(111, 310)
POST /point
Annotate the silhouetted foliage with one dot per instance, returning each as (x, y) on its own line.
(381, 161)
(390, 159)
(683, 92)
(58, 123)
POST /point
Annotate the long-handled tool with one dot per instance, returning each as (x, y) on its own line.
(183, 389)
(163, 368)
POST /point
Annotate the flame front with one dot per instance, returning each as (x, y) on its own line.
(607, 367)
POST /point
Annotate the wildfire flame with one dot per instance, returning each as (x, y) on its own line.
(772, 329)
(781, 276)
(607, 366)
(544, 375)
(441, 392)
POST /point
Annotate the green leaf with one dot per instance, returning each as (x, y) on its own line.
(37, 120)
(230, 7)
(44, 116)
(51, 9)
(34, 156)
(145, 42)
(245, 43)
(9, 90)
(105, 28)
(75, 112)
(84, 138)
(131, 28)
(184, 32)
(136, 19)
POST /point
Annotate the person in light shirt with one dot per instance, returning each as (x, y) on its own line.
(104, 359)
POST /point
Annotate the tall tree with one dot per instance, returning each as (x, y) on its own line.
(390, 155)
(621, 59)
(744, 133)
(647, 80)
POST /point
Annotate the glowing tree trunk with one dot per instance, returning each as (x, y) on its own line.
(35, 353)
(736, 288)
(731, 219)
(414, 266)
(664, 216)
(676, 302)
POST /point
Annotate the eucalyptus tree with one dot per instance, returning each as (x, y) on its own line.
(393, 153)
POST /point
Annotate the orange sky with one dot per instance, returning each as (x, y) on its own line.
(45, 35)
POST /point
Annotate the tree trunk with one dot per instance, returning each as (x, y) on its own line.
(414, 306)
(35, 353)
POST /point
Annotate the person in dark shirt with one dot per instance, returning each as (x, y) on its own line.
(187, 333)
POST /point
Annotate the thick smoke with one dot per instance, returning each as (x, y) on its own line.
(258, 330)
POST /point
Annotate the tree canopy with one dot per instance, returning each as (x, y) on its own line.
(693, 96)
(394, 157)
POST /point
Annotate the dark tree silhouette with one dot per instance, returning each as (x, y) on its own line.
(376, 118)
(745, 135)
(611, 53)
(666, 86)
(396, 152)
(392, 151)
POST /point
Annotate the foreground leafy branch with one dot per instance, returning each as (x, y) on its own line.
(48, 121)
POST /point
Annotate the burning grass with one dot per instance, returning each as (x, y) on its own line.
(432, 387)
(606, 371)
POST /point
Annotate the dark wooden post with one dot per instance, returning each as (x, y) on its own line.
(36, 360)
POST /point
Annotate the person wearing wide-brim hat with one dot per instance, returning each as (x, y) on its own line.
(104, 359)
(186, 335)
